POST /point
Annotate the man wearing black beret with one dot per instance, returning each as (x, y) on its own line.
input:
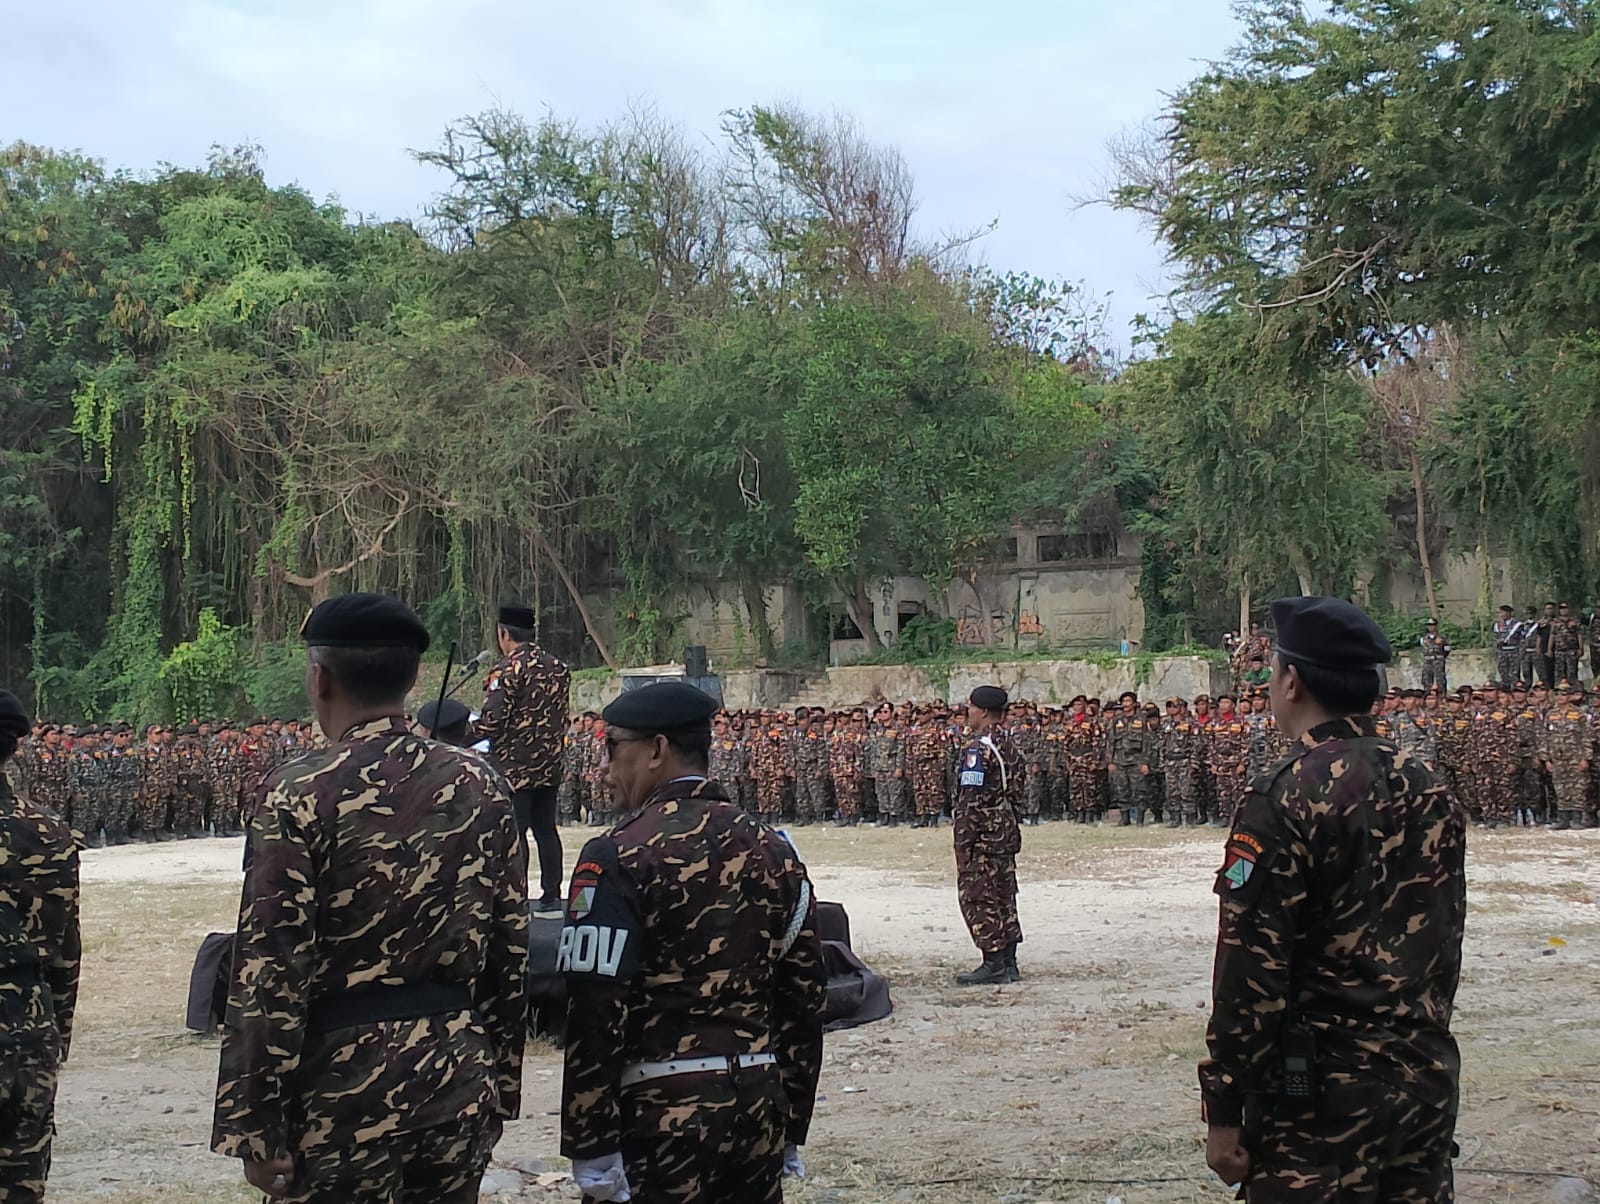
(1332, 1071)
(988, 835)
(447, 721)
(695, 982)
(373, 1042)
(39, 954)
(526, 698)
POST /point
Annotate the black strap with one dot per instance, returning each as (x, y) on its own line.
(371, 1005)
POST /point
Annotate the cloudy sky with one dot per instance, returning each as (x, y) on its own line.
(1002, 109)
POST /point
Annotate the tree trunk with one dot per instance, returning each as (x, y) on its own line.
(1244, 605)
(1422, 533)
(859, 608)
(577, 599)
(985, 620)
(755, 607)
(1302, 568)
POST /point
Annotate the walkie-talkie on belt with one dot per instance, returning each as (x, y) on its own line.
(1297, 1078)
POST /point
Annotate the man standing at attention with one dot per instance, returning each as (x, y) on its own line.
(373, 1042)
(1332, 1072)
(525, 721)
(987, 839)
(695, 982)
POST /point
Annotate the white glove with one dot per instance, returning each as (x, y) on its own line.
(793, 1168)
(602, 1179)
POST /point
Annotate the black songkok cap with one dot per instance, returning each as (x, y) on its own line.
(13, 718)
(443, 717)
(989, 698)
(1329, 633)
(666, 706)
(364, 621)
(518, 616)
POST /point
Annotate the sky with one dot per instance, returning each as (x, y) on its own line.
(1002, 110)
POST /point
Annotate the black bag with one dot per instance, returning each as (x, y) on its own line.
(856, 995)
(547, 988)
(209, 982)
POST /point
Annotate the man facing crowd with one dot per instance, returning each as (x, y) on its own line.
(525, 721)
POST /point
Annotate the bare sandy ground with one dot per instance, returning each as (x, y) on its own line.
(1075, 1085)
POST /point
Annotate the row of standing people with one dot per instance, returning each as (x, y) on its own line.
(897, 765)
(114, 785)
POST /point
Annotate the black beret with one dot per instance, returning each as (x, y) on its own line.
(364, 621)
(1329, 633)
(989, 698)
(518, 616)
(13, 718)
(1127, 694)
(450, 714)
(666, 706)
(190, 729)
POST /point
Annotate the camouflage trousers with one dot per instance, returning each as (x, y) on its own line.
(1495, 788)
(698, 1138)
(1183, 794)
(891, 797)
(1127, 786)
(986, 888)
(1363, 1143)
(1035, 791)
(810, 795)
(439, 1165)
(1230, 791)
(150, 813)
(1433, 675)
(847, 792)
(1571, 789)
(927, 790)
(188, 811)
(769, 798)
(1507, 663)
(27, 1121)
(1567, 666)
(1082, 788)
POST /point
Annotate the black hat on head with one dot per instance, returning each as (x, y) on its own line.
(14, 721)
(1329, 633)
(364, 621)
(989, 698)
(666, 706)
(190, 729)
(518, 616)
(443, 717)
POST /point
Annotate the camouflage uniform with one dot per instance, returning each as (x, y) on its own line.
(1568, 748)
(571, 775)
(188, 761)
(844, 762)
(1129, 747)
(225, 768)
(727, 762)
(1058, 768)
(987, 840)
(1435, 652)
(1454, 765)
(157, 782)
(1035, 781)
(887, 759)
(376, 1021)
(691, 933)
(1181, 751)
(1085, 755)
(524, 719)
(1225, 757)
(926, 757)
(767, 757)
(809, 757)
(39, 953)
(50, 779)
(1566, 641)
(1494, 755)
(1342, 901)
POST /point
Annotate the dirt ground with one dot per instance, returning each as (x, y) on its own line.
(1076, 1085)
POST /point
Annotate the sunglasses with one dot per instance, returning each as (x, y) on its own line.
(611, 743)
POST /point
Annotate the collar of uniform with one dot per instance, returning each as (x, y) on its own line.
(1340, 729)
(374, 728)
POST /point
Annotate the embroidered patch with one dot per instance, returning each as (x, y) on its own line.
(972, 777)
(582, 901)
(1244, 850)
(494, 681)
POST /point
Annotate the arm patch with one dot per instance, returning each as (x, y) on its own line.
(603, 934)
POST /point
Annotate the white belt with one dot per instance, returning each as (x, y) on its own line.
(643, 1072)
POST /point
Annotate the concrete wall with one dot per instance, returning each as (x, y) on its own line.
(1456, 583)
(1040, 681)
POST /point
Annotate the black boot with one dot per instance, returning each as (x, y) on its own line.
(1011, 963)
(993, 972)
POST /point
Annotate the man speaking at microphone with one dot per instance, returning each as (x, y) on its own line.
(525, 721)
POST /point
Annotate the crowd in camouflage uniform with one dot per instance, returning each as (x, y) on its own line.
(113, 785)
(897, 765)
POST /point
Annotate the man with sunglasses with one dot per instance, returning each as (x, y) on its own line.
(695, 982)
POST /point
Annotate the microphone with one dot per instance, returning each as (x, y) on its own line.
(477, 660)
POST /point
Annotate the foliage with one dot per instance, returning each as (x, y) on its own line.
(202, 675)
(275, 685)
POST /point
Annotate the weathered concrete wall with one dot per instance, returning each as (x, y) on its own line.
(1037, 681)
(1456, 582)
(1468, 667)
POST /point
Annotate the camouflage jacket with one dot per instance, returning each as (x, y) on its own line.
(1567, 739)
(690, 932)
(1130, 741)
(1566, 635)
(984, 818)
(385, 860)
(844, 755)
(525, 716)
(1342, 896)
(39, 941)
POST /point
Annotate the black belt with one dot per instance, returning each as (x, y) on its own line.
(371, 1005)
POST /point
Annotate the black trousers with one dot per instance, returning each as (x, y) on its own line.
(536, 809)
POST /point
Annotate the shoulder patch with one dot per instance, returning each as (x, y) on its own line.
(1241, 875)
